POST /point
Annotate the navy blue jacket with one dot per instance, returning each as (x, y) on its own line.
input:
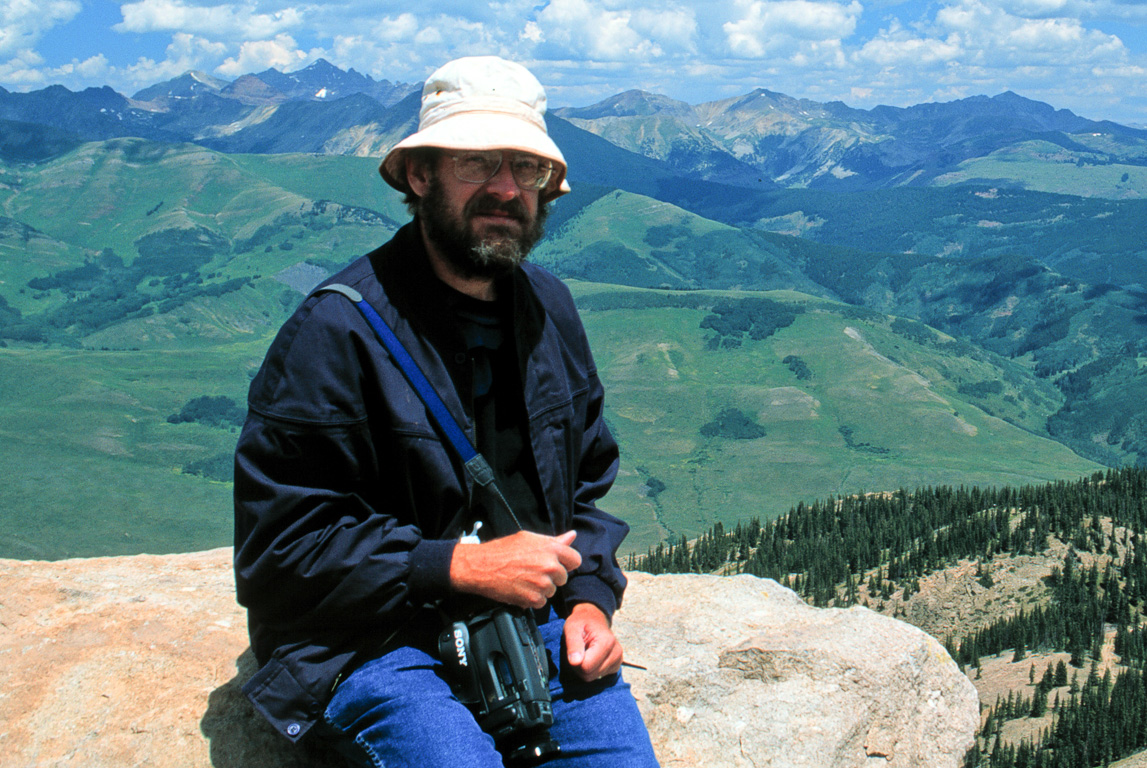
(348, 504)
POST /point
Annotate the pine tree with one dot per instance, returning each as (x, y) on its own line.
(1039, 703)
(1020, 652)
(1060, 674)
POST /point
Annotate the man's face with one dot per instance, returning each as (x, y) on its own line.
(483, 230)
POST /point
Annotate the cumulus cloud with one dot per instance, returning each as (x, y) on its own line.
(258, 55)
(606, 31)
(996, 38)
(229, 21)
(1091, 9)
(583, 29)
(897, 46)
(186, 52)
(24, 70)
(28, 71)
(24, 22)
(767, 27)
(674, 29)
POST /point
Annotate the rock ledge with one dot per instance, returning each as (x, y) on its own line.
(111, 662)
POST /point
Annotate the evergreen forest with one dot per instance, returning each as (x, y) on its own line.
(845, 550)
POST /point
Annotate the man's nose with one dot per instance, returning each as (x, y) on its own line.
(502, 184)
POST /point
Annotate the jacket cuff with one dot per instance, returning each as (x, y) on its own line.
(430, 567)
(587, 588)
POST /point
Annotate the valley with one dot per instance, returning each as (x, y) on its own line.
(210, 252)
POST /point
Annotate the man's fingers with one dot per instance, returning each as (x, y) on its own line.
(523, 568)
(575, 647)
(560, 577)
(569, 557)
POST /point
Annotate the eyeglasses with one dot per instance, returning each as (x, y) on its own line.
(529, 171)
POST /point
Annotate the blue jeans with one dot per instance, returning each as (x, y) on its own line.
(398, 711)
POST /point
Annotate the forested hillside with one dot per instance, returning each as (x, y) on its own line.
(877, 549)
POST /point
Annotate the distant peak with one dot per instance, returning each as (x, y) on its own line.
(320, 65)
(631, 103)
(206, 79)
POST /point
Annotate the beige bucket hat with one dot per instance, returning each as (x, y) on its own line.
(481, 102)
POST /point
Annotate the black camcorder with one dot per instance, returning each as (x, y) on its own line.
(499, 669)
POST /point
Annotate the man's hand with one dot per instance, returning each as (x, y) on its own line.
(591, 647)
(524, 569)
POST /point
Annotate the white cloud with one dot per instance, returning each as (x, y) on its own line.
(1035, 8)
(28, 71)
(408, 47)
(695, 50)
(1090, 9)
(608, 31)
(393, 30)
(674, 29)
(897, 46)
(766, 28)
(23, 22)
(24, 70)
(240, 21)
(995, 38)
(257, 55)
(533, 32)
(186, 52)
(93, 67)
(369, 49)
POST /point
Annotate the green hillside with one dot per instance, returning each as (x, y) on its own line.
(837, 401)
(91, 464)
(1086, 339)
(710, 431)
(636, 240)
(140, 285)
(1047, 167)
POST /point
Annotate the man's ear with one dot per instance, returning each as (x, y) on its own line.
(418, 174)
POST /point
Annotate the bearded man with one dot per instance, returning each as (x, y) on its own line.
(357, 529)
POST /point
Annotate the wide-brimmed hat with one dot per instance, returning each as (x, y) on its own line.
(481, 102)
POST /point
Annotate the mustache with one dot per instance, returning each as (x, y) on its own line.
(484, 204)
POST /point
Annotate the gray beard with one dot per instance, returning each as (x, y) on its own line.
(468, 254)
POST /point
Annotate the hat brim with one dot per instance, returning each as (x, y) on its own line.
(479, 131)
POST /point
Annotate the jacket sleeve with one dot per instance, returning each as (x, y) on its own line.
(595, 456)
(323, 536)
(599, 579)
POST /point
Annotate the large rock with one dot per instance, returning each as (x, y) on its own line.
(742, 672)
(139, 660)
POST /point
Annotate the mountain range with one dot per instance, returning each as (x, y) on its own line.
(762, 140)
(770, 137)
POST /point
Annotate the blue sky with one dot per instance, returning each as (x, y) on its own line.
(1089, 56)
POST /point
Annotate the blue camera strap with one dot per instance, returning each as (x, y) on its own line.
(475, 463)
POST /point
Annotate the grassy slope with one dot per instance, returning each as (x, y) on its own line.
(94, 466)
(663, 385)
(1046, 167)
(91, 465)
